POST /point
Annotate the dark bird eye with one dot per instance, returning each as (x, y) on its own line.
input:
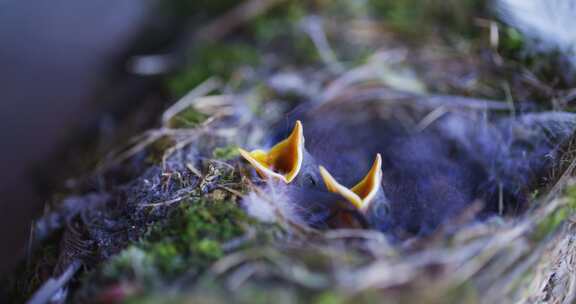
(309, 181)
(382, 210)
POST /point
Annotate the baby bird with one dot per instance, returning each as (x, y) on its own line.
(294, 180)
(426, 179)
(429, 176)
(288, 160)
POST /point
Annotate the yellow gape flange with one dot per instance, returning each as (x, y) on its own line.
(283, 161)
(361, 194)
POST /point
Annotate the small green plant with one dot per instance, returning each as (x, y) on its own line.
(554, 220)
(226, 153)
(511, 41)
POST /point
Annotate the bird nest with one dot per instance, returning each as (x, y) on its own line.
(199, 180)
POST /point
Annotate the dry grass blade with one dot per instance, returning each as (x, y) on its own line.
(313, 27)
(49, 289)
(202, 89)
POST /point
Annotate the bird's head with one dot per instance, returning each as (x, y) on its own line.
(287, 161)
(292, 169)
(367, 196)
(363, 205)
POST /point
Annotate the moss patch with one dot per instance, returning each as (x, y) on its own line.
(189, 118)
(226, 153)
(549, 68)
(415, 16)
(278, 32)
(187, 242)
(217, 59)
(554, 220)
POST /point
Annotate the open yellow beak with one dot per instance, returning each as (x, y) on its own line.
(362, 193)
(284, 160)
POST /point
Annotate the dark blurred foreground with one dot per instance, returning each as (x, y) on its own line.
(54, 55)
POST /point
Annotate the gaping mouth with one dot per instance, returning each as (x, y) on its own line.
(283, 161)
(363, 193)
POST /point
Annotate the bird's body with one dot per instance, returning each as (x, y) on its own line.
(430, 173)
(428, 178)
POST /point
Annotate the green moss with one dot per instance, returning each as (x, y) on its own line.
(548, 66)
(328, 298)
(549, 224)
(251, 292)
(218, 59)
(131, 262)
(554, 220)
(226, 153)
(276, 22)
(157, 299)
(278, 32)
(511, 41)
(188, 241)
(418, 17)
(188, 118)
(462, 293)
(571, 194)
(401, 14)
(193, 235)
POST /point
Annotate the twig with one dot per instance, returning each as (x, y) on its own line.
(53, 285)
(165, 203)
(502, 286)
(204, 88)
(370, 235)
(235, 192)
(313, 27)
(240, 276)
(358, 74)
(431, 118)
(559, 185)
(146, 139)
(230, 261)
(194, 170)
(404, 97)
